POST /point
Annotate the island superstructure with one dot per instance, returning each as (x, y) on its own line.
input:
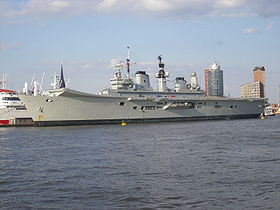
(136, 101)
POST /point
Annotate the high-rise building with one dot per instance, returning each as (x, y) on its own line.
(215, 80)
(259, 75)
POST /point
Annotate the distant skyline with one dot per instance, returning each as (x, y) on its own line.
(88, 36)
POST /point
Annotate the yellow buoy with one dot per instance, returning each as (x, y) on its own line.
(123, 123)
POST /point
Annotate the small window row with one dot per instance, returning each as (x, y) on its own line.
(11, 99)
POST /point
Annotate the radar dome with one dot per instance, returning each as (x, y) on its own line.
(193, 74)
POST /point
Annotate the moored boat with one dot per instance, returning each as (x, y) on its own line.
(268, 111)
(12, 110)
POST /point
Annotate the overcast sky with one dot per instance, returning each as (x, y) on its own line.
(88, 35)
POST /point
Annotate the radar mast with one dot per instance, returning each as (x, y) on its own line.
(161, 76)
(128, 63)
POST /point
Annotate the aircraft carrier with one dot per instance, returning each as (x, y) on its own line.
(135, 100)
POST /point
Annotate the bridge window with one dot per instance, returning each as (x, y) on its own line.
(11, 98)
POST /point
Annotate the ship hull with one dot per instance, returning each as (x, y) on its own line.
(154, 120)
(77, 108)
(14, 117)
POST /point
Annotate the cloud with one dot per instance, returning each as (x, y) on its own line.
(7, 46)
(266, 8)
(113, 63)
(58, 5)
(86, 66)
(227, 3)
(249, 31)
(183, 9)
(157, 5)
(105, 4)
(43, 8)
(141, 65)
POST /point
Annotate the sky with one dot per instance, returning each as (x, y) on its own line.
(90, 36)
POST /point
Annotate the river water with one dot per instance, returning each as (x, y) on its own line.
(227, 164)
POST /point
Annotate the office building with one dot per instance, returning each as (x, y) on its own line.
(255, 89)
(251, 90)
(215, 81)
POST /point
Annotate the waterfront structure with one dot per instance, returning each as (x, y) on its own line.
(128, 101)
(255, 89)
(277, 110)
(259, 76)
(215, 81)
(251, 90)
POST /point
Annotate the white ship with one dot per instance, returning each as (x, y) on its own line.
(12, 110)
(136, 101)
(268, 111)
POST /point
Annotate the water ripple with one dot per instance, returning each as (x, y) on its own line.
(228, 164)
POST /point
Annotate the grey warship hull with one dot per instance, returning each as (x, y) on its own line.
(70, 107)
